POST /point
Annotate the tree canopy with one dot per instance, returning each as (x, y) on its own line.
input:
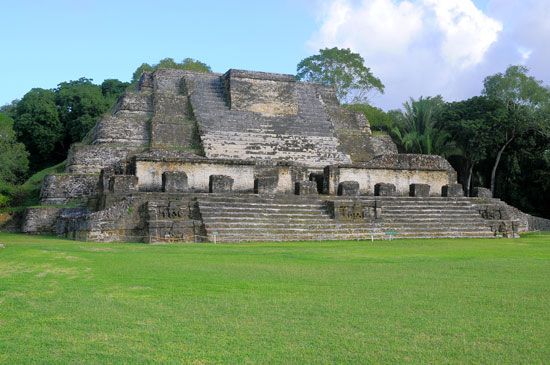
(38, 126)
(342, 69)
(418, 130)
(527, 102)
(14, 161)
(189, 64)
(80, 103)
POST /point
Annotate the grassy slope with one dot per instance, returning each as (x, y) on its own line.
(29, 192)
(428, 301)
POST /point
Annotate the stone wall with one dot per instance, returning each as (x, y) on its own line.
(399, 170)
(90, 159)
(62, 188)
(198, 173)
(402, 179)
(39, 220)
(260, 92)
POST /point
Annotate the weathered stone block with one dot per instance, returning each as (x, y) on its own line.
(421, 190)
(174, 182)
(452, 190)
(384, 189)
(40, 220)
(306, 188)
(220, 184)
(268, 94)
(265, 184)
(348, 188)
(104, 177)
(123, 184)
(481, 192)
(62, 188)
(354, 210)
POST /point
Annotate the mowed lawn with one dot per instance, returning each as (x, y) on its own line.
(419, 301)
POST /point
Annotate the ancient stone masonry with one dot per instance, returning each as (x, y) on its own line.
(245, 156)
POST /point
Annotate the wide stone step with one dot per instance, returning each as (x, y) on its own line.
(447, 220)
(219, 222)
(344, 236)
(259, 205)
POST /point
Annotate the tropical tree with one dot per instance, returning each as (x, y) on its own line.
(80, 103)
(417, 128)
(471, 124)
(343, 70)
(112, 89)
(14, 162)
(378, 119)
(527, 103)
(38, 127)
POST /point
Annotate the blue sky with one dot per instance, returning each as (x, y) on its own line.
(406, 43)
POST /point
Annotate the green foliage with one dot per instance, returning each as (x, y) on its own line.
(188, 64)
(112, 89)
(417, 128)
(342, 69)
(378, 119)
(527, 103)
(80, 103)
(47, 122)
(38, 126)
(28, 194)
(14, 162)
(515, 87)
(4, 201)
(144, 67)
(473, 124)
(406, 301)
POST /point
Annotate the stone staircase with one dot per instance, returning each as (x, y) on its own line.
(238, 218)
(433, 217)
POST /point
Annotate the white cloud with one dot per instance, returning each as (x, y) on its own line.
(524, 54)
(373, 26)
(420, 47)
(467, 32)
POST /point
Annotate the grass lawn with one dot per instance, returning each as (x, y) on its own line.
(419, 301)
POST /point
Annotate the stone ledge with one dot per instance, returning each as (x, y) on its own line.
(403, 162)
(259, 75)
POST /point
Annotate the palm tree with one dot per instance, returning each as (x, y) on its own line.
(417, 131)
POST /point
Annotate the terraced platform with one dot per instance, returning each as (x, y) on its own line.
(295, 218)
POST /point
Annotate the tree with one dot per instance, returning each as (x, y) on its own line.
(112, 89)
(378, 119)
(80, 104)
(191, 64)
(144, 67)
(343, 70)
(526, 101)
(417, 128)
(188, 64)
(14, 162)
(471, 124)
(38, 127)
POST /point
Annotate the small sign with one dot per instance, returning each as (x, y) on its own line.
(391, 234)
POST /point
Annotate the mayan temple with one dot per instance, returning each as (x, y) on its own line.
(253, 156)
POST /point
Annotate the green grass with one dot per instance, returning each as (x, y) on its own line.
(418, 301)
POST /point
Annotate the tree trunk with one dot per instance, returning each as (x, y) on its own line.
(469, 179)
(497, 161)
